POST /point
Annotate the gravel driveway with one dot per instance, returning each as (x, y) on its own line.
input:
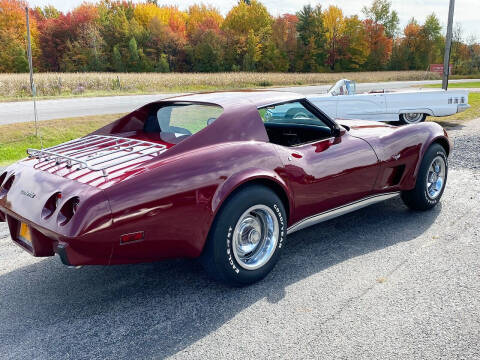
(383, 282)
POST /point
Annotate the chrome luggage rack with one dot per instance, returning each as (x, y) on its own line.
(98, 152)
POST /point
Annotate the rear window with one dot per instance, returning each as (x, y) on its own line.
(183, 118)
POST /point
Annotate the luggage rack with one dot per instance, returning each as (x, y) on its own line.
(98, 152)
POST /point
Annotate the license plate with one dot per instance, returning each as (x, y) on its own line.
(25, 234)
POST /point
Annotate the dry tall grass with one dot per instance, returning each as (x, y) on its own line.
(65, 84)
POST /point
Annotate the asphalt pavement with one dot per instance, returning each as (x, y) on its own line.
(13, 112)
(381, 283)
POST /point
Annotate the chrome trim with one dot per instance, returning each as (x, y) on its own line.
(341, 210)
(94, 152)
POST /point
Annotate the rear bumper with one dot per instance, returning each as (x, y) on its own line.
(45, 243)
(463, 107)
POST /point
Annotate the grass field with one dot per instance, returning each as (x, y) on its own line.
(465, 85)
(16, 138)
(17, 86)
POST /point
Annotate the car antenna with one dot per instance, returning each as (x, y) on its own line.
(32, 83)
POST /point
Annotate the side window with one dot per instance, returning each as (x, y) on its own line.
(290, 113)
(292, 124)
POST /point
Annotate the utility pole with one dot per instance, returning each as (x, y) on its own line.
(448, 45)
(30, 64)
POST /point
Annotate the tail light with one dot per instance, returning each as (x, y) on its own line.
(7, 185)
(68, 210)
(51, 205)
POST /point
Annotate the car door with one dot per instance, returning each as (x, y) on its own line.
(362, 106)
(329, 172)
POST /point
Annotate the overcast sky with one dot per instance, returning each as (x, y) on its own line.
(467, 12)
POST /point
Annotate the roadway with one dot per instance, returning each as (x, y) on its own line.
(22, 111)
(381, 283)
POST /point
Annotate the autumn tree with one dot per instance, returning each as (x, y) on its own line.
(379, 46)
(284, 35)
(380, 12)
(356, 44)
(336, 42)
(247, 26)
(13, 31)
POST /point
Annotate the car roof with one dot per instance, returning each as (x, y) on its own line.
(234, 99)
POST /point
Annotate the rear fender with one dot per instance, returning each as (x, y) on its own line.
(251, 175)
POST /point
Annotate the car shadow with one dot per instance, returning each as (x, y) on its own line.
(158, 309)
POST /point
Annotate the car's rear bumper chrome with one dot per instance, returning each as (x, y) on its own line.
(333, 213)
(463, 107)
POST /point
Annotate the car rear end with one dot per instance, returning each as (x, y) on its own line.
(55, 202)
(48, 214)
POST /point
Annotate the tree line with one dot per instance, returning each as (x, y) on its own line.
(121, 36)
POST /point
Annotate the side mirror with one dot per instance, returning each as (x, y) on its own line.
(336, 132)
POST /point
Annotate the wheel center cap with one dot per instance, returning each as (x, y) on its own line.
(254, 237)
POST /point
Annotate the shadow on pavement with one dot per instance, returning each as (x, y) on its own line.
(156, 310)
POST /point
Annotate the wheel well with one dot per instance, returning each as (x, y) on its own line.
(279, 191)
(443, 143)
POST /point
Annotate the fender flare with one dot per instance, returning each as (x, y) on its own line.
(435, 139)
(249, 175)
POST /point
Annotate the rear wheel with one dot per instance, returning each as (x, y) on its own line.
(431, 180)
(412, 118)
(246, 238)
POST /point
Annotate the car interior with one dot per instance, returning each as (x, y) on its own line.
(293, 124)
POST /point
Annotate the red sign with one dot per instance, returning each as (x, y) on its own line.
(438, 68)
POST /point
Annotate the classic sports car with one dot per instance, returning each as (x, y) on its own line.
(408, 106)
(212, 176)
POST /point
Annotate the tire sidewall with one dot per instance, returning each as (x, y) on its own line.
(433, 152)
(405, 122)
(224, 229)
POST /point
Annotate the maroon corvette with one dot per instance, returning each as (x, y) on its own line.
(220, 176)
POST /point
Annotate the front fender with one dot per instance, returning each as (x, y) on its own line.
(436, 134)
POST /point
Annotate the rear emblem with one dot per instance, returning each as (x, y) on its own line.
(28, 193)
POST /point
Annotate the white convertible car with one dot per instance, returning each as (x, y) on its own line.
(408, 107)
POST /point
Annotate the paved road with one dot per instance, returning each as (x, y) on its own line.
(380, 283)
(13, 112)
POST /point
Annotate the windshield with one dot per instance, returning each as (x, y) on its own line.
(343, 87)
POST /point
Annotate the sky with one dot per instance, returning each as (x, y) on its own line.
(467, 12)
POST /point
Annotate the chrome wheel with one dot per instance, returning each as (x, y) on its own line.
(413, 118)
(436, 177)
(255, 237)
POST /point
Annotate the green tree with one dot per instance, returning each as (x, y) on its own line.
(311, 45)
(133, 57)
(117, 63)
(20, 61)
(433, 40)
(162, 64)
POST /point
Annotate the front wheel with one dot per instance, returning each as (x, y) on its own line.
(246, 237)
(412, 118)
(431, 180)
